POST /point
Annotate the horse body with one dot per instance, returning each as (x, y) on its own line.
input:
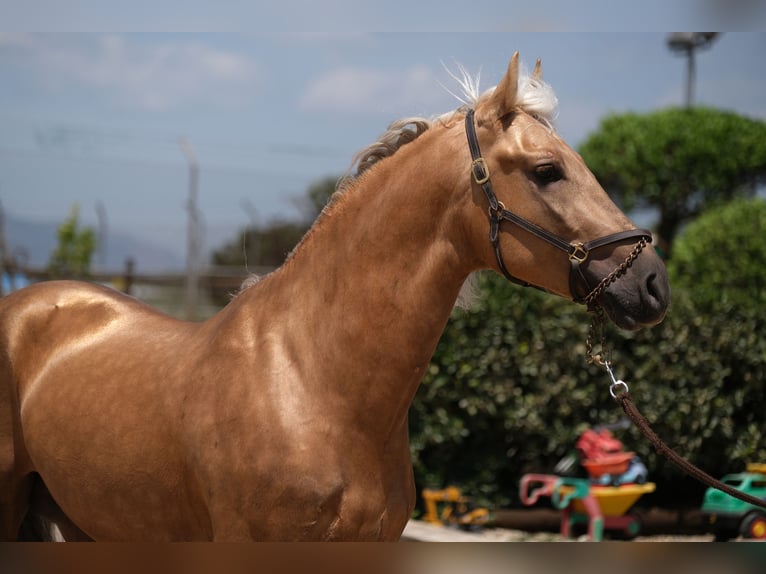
(298, 391)
(284, 416)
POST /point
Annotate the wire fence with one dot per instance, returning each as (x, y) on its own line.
(168, 291)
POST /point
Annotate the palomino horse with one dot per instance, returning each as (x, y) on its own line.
(284, 416)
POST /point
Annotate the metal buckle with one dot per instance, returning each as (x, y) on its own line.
(481, 164)
(496, 213)
(580, 254)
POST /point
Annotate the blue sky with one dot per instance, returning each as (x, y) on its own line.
(95, 118)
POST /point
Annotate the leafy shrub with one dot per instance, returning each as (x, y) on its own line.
(72, 255)
(721, 260)
(681, 161)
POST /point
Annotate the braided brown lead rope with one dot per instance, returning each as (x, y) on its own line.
(630, 409)
(624, 399)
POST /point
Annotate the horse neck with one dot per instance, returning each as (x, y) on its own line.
(374, 282)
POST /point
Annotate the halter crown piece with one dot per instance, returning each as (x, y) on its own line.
(577, 252)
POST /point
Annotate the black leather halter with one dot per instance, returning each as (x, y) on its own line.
(579, 286)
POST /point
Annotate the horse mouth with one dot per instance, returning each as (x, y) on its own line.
(643, 305)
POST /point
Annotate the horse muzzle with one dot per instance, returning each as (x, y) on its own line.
(641, 298)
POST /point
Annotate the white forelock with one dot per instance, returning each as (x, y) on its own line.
(534, 96)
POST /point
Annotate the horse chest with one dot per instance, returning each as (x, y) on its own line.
(313, 493)
(353, 511)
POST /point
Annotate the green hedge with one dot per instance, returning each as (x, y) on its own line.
(508, 391)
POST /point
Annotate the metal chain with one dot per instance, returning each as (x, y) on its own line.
(590, 299)
(597, 323)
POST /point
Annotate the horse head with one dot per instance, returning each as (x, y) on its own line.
(551, 224)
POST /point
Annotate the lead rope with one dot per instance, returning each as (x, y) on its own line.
(620, 392)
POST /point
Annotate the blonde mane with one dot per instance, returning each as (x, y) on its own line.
(534, 97)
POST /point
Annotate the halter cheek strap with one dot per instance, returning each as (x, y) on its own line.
(577, 252)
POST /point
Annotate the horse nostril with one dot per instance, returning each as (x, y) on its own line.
(651, 286)
(656, 290)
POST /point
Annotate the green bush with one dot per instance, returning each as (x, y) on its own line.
(722, 257)
(681, 161)
(508, 390)
(72, 255)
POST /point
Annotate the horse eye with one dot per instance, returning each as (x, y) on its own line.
(547, 173)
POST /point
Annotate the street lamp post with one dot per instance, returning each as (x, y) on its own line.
(193, 233)
(686, 43)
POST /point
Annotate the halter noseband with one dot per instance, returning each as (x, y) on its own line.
(577, 252)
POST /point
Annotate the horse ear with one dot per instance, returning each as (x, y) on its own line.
(503, 99)
(537, 74)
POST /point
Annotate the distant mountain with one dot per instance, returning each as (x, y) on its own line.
(37, 239)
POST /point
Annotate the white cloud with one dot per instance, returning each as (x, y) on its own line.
(366, 91)
(134, 71)
(11, 39)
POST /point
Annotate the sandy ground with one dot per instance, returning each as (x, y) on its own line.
(424, 532)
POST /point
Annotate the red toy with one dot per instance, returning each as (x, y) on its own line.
(600, 453)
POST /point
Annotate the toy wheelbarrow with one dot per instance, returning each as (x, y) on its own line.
(601, 507)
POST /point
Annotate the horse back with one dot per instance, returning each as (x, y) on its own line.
(47, 321)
